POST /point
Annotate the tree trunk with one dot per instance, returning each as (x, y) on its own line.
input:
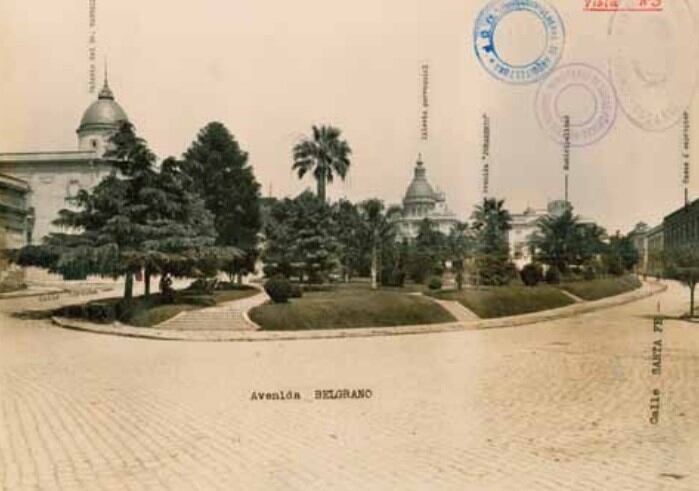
(692, 287)
(146, 280)
(128, 286)
(374, 267)
(321, 186)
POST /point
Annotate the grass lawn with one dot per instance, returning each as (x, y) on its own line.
(602, 288)
(150, 311)
(222, 296)
(156, 315)
(349, 306)
(503, 301)
(149, 317)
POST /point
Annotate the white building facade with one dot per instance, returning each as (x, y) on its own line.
(422, 202)
(525, 225)
(51, 177)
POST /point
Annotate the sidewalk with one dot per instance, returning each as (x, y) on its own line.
(228, 316)
(648, 289)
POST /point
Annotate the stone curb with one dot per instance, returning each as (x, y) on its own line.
(648, 290)
(29, 294)
(22, 294)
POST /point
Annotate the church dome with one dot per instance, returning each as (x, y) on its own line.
(420, 189)
(104, 113)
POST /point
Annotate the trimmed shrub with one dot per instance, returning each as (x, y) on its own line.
(435, 283)
(531, 274)
(494, 270)
(71, 311)
(278, 289)
(553, 276)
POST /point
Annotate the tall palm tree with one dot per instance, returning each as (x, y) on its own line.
(491, 222)
(561, 240)
(324, 154)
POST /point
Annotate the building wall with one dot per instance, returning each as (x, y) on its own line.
(681, 228)
(95, 141)
(14, 212)
(51, 182)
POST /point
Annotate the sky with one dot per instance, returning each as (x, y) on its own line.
(269, 69)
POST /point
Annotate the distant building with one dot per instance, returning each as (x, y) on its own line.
(422, 202)
(681, 228)
(16, 217)
(649, 244)
(526, 224)
(46, 179)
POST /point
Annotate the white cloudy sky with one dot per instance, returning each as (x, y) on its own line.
(269, 69)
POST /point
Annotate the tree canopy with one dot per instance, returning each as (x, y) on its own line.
(137, 217)
(324, 154)
(219, 172)
(301, 238)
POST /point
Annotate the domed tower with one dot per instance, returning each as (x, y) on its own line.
(100, 121)
(420, 198)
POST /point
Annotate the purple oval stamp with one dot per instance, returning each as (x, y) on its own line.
(583, 97)
(519, 41)
(654, 63)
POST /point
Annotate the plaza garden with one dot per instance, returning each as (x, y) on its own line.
(323, 264)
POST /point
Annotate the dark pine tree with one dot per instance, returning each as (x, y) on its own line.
(220, 174)
(137, 218)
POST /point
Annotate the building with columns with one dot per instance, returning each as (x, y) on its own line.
(422, 202)
(38, 183)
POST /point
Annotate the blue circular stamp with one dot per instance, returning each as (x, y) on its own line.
(519, 72)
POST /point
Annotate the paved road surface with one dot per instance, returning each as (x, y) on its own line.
(558, 405)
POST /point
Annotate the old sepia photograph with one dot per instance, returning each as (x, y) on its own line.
(368, 245)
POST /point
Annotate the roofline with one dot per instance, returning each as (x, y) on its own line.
(684, 208)
(2, 154)
(48, 157)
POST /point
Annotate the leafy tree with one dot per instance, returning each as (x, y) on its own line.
(561, 241)
(555, 241)
(380, 230)
(135, 218)
(221, 175)
(428, 253)
(491, 224)
(682, 264)
(591, 243)
(351, 235)
(620, 255)
(301, 238)
(459, 245)
(324, 154)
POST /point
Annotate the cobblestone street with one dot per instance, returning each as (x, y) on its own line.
(557, 405)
